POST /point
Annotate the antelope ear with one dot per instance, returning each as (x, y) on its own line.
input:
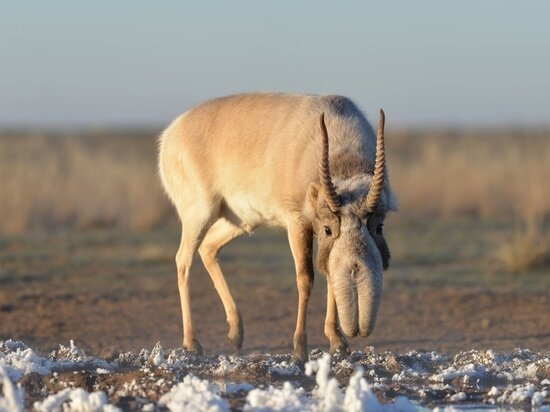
(393, 202)
(313, 194)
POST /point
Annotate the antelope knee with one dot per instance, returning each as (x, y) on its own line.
(305, 282)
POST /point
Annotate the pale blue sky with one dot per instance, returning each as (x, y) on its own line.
(122, 63)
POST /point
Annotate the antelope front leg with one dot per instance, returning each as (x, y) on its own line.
(301, 239)
(338, 342)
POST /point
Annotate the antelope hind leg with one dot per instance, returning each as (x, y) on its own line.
(193, 231)
(220, 234)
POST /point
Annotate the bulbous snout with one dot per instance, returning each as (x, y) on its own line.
(357, 291)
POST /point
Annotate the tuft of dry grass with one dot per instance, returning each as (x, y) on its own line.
(529, 247)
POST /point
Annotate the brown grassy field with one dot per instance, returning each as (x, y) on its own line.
(101, 179)
(84, 220)
(109, 179)
(79, 181)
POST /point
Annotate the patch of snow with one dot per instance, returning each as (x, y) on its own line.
(359, 396)
(177, 358)
(284, 368)
(327, 390)
(460, 396)
(494, 391)
(23, 360)
(287, 399)
(520, 377)
(157, 355)
(11, 345)
(399, 377)
(346, 364)
(19, 360)
(72, 353)
(450, 373)
(12, 399)
(77, 399)
(194, 394)
(327, 396)
(225, 366)
(517, 394)
(130, 388)
(448, 408)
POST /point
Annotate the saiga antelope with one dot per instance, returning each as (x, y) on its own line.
(237, 162)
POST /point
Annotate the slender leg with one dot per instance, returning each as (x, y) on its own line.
(220, 234)
(191, 237)
(337, 340)
(301, 239)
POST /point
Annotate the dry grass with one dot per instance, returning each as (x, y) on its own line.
(94, 179)
(79, 181)
(486, 174)
(529, 247)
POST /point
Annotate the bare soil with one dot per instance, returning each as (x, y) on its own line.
(114, 292)
(443, 320)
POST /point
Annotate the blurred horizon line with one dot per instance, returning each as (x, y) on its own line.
(157, 127)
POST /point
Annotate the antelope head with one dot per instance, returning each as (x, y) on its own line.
(348, 217)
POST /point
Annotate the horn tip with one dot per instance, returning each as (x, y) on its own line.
(382, 113)
(323, 126)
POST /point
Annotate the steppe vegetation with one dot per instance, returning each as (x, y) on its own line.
(53, 181)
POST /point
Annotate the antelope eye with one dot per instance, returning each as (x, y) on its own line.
(328, 232)
(379, 229)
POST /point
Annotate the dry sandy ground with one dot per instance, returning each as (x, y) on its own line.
(442, 320)
(112, 292)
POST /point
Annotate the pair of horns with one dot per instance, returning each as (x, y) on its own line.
(370, 202)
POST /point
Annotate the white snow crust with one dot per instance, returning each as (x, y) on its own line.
(363, 381)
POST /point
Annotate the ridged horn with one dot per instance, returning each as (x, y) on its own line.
(375, 191)
(333, 200)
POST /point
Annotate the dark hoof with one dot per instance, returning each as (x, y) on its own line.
(299, 355)
(300, 362)
(236, 336)
(194, 349)
(341, 350)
